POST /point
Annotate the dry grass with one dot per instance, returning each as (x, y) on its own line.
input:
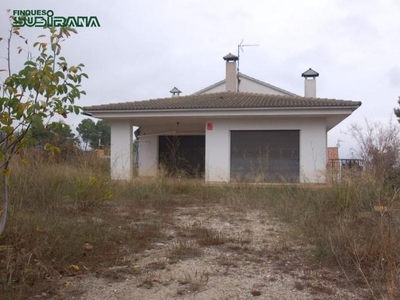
(203, 235)
(64, 221)
(73, 215)
(193, 282)
(183, 249)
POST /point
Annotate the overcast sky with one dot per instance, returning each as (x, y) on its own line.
(144, 48)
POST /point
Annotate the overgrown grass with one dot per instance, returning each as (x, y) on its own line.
(71, 219)
(63, 222)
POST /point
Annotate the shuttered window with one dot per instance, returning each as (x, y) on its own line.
(265, 156)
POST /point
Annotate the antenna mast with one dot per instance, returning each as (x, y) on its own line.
(240, 48)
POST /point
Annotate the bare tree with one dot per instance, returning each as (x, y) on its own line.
(378, 144)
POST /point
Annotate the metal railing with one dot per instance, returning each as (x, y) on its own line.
(348, 163)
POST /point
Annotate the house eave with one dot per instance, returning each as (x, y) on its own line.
(225, 112)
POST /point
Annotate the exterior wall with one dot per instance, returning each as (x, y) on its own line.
(246, 85)
(312, 145)
(313, 140)
(254, 87)
(121, 150)
(148, 155)
(216, 89)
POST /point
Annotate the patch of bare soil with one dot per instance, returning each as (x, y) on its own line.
(218, 253)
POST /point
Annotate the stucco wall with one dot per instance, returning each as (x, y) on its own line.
(148, 155)
(254, 87)
(121, 150)
(216, 89)
(312, 145)
(247, 85)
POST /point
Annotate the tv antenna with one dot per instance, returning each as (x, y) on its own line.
(240, 48)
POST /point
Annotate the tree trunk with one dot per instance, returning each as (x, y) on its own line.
(4, 208)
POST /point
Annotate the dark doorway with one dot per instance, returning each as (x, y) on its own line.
(265, 155)
(182, 155)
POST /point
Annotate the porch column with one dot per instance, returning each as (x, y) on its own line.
(121, 150)
(217, 151)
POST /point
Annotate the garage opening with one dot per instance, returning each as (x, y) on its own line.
(265, 156)
(182, 155)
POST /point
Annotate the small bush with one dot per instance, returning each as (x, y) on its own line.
(183, 249)
(205, 236)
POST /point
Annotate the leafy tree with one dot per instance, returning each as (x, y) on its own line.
(45, 86)
(95, 135)
(104, 130)
(397, 111)
(87, 131)
(57, 134)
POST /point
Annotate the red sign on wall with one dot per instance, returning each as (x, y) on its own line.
(210, 126)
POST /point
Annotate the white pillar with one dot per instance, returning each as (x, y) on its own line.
(217, 151)
(121, 150)
(313, 141)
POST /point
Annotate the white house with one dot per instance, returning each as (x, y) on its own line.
(237, 129)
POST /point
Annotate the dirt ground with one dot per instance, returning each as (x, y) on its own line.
(218, 253)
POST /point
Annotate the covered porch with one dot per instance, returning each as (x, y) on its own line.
(173, 144)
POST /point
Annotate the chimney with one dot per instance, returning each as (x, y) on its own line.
(175, 92)
(310, 83)
(231, 79)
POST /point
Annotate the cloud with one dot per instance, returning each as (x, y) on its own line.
(144, 48)
(394, 77)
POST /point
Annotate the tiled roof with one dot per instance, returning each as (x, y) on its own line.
(224, 100)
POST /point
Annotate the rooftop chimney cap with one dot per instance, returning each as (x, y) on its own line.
(175, 91)
(310, 73)
(230, 57)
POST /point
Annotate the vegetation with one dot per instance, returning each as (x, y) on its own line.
(73, 220)
(397, 111)
(44, 87)
(57, 134)
(96, 135)
(379, 148)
